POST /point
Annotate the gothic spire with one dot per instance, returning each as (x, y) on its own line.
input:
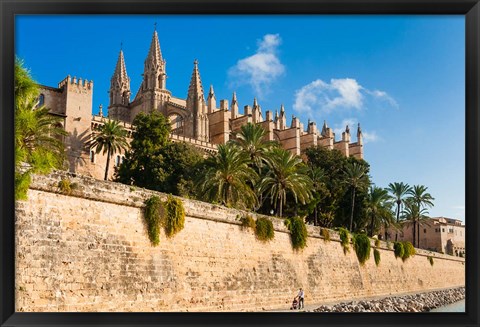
(154, 54)
(282, 110)
(211, 93)
(234, 97)
(120, 70)
(255, 103)
(195, 90)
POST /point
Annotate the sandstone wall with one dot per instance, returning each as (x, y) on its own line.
(89, 251)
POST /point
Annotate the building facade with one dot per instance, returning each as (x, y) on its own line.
(439, 234)
(196, 119)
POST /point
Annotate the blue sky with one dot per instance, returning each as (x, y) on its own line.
(401, 77)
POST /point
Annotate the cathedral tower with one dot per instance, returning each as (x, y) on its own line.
(197, 126)
(119, 91)
(153, 90)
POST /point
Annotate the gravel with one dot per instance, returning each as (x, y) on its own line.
(422, 302)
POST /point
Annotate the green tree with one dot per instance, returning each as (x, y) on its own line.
(110, 138)
(422, 199)
(227, 178)
(181, 163)
(399, 191)
(252, 140)
(414, 216)
(142, 165)
(39, 135)
(286, 173)
(356, 178)
(378, 208)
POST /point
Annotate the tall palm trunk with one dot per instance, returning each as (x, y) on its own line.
(398, 219)
(414, 232)
(353, 205)
(280, 205)
(371, 225)
(316, 215)
(108, 164)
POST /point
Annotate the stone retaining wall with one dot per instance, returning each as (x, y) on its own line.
(89, 251)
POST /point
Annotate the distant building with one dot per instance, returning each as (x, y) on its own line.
(438, 234)
(194, 120)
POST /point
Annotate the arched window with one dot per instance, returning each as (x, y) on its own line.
(92, 156)
(117, 161)
(41, 100)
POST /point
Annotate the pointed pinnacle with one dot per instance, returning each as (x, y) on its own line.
(120, 69)
(155, 54)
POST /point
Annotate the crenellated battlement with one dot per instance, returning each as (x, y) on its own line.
(74, 81)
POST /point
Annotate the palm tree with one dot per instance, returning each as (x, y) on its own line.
(399, 192)
(379, 208)
(356, 178)
(38, 134)
(227, 178)
(252, 140)
(317, 175)
(420, 197)
(286, 173)
(413, 214)
(111, 137)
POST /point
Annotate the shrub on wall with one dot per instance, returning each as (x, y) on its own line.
(430, 259)
(264, 229)
(408, 250)
(298, 232)
(175, 216)
(66, 186)
(361, 244)
(344, 239)
(325, 233)
(398, 249)
(153, 216)
(247, 222)
(376, 256)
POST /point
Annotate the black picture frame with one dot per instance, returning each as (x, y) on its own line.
(10, 8)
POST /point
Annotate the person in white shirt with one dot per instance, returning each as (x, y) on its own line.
(300, 299)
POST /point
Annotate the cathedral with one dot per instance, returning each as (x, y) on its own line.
(195, 119)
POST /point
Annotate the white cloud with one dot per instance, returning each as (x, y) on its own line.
(260, 69)
(382, 95)
(344, 93)
(369, 137)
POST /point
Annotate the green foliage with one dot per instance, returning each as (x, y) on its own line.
(175, 216)
(22, 182)
(298, 232)
(376, 256)
(252, 140)
(430, 259)
(408, 250)
(228, 178)
(377, 243)
(334, 195)
(39, 135)
(142, 164)
(361, 244)
(398, 249)
(286, 173)
(325, 233)
(247, 221)
(389, 245)
(344, 239)
(264, 229)
(66, 186)
(109, 139)
(153, 215)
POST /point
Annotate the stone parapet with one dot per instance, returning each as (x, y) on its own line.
(89, 251)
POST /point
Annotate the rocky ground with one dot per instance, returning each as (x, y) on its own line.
(422, 302)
